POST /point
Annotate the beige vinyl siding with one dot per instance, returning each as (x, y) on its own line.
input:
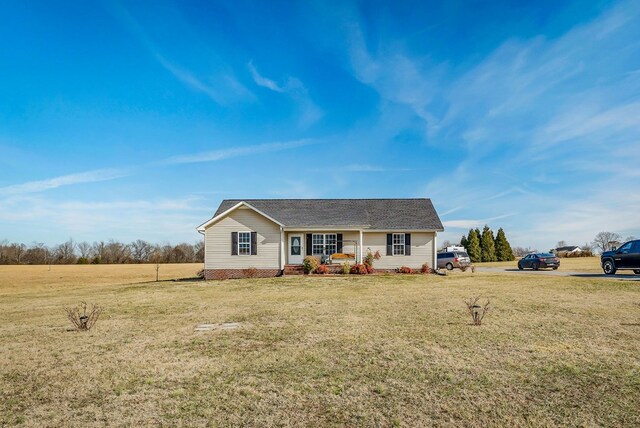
(218, 241)
(421, 250)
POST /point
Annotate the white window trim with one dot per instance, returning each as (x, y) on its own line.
(324, 242)
(393, 244)
(244, 231)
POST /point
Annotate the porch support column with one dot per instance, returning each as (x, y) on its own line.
(434, 262)
(282, 245)
(361, 256)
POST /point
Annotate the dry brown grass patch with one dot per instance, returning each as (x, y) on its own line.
(332, 351)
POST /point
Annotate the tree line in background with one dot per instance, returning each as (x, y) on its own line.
(485, 247)
(111, 252)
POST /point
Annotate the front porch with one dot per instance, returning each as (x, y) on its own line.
(331, 248)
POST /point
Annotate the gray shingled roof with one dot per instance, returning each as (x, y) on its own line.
(380, 214)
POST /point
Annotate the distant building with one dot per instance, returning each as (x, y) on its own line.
(574, 249)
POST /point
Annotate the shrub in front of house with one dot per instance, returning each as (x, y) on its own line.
(322, 270)
(369, 259)
(426, 269)
(359, 269)
(200, 274)
(405, 269)
(310, 264)
(346, 268)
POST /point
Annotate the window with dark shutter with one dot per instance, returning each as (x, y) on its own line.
(339, 243)
(234, 243)
(407, 244)
(398, 244)
(389, 244)
(244, 243)
(254, 243)
(309, 244)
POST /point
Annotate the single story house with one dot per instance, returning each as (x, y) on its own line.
(263, 236)
(574, 249)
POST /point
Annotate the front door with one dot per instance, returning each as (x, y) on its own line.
(295, 250)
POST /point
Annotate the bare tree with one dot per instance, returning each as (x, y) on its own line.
(141, 251)
(629, 238)
(561, 244)
(587, 246)
(117, 252)
(4, 252)
(99, 250)
(521, 251)
(183, 253)
(84, 249)
(65, 252)
(603, 240)
(36, 254)
(198, 248)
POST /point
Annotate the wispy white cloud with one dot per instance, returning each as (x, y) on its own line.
(232, 152)
(308, 111)
(360, 168)
(221, 85)
(64, 180)
(51, 220)
(263, 81)
(190, 80)
(470, 223)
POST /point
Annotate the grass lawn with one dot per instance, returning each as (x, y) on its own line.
(316, 351)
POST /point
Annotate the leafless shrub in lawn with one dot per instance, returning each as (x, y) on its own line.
(476, 310)
(473, 269)
(200, 274)
(82, 316)
(250, 272)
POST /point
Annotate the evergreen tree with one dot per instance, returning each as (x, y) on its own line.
(503, 248)
(487, 245)
(463, 241)
(473, 246)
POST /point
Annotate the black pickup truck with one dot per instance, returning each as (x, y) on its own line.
(625, 257)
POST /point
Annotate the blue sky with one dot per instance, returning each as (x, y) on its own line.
(133, 120)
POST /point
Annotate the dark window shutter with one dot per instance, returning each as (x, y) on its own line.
(254, 243)
(234, 243)
(407, 244)
(389, 244)
(339, 242)
(309, 244)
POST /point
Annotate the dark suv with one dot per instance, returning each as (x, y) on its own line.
(625, 257)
